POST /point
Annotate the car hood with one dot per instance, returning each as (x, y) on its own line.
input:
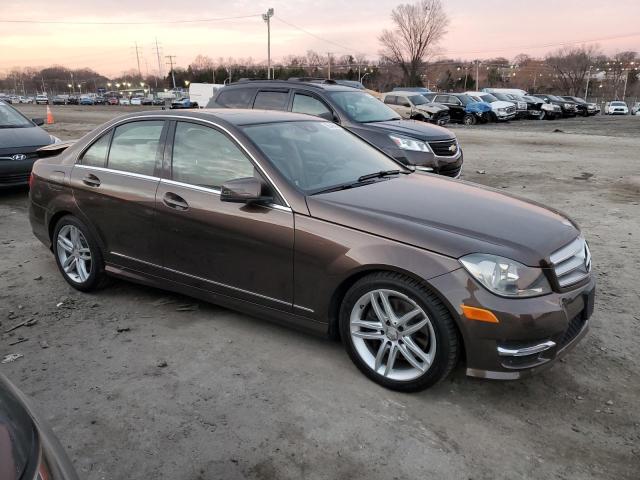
(23, 140)
(431, 107)
(473, 107)
(413, 128)
(450, 217)
(502, 104)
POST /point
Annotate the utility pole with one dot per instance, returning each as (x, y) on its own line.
(138, 58)
(477, 75)
(329, 65)
(170, 63)
(586, 90)
(159, 63)
(626, 77)
(267, 18)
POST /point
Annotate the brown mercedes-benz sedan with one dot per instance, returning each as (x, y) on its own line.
(295, 219)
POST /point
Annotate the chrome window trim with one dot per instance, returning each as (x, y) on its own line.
(310, 310)
(203, 279)
(196, 119)
(123, 173)
(216, 191)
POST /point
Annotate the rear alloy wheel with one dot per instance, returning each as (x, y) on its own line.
(78, 257)
(469, 119)
(397, 332)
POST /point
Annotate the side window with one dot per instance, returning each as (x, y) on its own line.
(236, 98)
(308, 105)
(390, 99)
(134, 147)
(96, 154)
(271, 100)
(402, 101)
(206, 157)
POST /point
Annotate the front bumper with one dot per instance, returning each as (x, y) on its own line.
(504, 117)
(430, 163)
(15, 173)
(532, 333)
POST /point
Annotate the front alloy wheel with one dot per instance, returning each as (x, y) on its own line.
(74, 253)
(398, 332)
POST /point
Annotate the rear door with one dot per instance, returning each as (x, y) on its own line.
(115, 183)
(233, 249)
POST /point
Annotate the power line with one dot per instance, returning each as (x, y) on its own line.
(342, 47)
(152, 22)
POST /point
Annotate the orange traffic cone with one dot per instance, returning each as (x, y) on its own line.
(49, 116)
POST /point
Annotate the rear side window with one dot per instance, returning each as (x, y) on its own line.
(135, 146)
(96, 155)
(271, 100)
(390, 99)
(308, 105)
(236, 98)
(206, 157)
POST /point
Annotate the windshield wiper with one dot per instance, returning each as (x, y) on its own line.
(380, 174)
(384, 120)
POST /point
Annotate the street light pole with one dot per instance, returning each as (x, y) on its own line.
(365, 74)
(626, 77)
(478, 75)
(267, 18)
(586, 89)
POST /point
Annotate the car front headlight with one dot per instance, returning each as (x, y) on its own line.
(54, 139)
(567, 105)
(407, 143)
(502, 110)
(506, 277)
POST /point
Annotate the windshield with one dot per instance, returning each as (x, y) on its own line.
(10, 118)
(556, 98)
(315, 156)
(501, 96)
(487, 97)
(418, 99)
(465, 99)
(619, 104)
(362, 107)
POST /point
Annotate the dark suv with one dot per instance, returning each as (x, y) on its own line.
(569, 108)
(427, 147)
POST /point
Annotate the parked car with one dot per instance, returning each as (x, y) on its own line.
(462, 108)
(414, 106)
(42, 99)
(99, 100)
(294, 218)
(521, 106)
(136, 100)
(60, 100)
(616, 108)
(569, 108)
(146, 101)
(184, 102)
(501, 111)
(73, 100)
(20, 138)
(583, 108)
(86, 100)
(540, 109)
(125, 101)
(28, 447)
(112, 101)
(635, 110)
(23, 99)
(158, 101)
(429, 148)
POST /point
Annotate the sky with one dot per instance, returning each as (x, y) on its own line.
(478, 29)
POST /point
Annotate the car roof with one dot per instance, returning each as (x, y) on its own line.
(290, 83)
(233, 116)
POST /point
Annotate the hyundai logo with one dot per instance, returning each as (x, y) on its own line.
(19, 156)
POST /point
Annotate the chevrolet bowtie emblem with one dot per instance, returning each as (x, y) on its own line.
(453, 148)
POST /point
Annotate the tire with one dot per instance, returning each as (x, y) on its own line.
(370, 343)
(86, 272)
(469, 119)
(542, 115)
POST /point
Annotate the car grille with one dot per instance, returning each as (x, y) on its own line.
(8, 156)
(12, 178)
(445, 148)
(511, 110)
(452, 172)
(572, 263)
(575, 327)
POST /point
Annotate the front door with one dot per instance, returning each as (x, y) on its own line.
(234, 249)
(114, 185)
(456, 109)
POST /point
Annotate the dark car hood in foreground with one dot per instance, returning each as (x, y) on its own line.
(413, 128)
(449, 217)
(23, 139)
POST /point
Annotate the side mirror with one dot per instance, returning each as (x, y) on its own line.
(38, 121)
(244, 190)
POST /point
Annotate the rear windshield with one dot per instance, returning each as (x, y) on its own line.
(11, 118)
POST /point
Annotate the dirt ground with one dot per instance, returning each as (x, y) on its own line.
(243, 398)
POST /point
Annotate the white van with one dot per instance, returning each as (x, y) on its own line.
(201, 93)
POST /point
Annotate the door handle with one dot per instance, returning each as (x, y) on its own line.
(91, 180)
(174, 201)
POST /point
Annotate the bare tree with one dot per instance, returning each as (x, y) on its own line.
(418, 28)
(572, 65)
